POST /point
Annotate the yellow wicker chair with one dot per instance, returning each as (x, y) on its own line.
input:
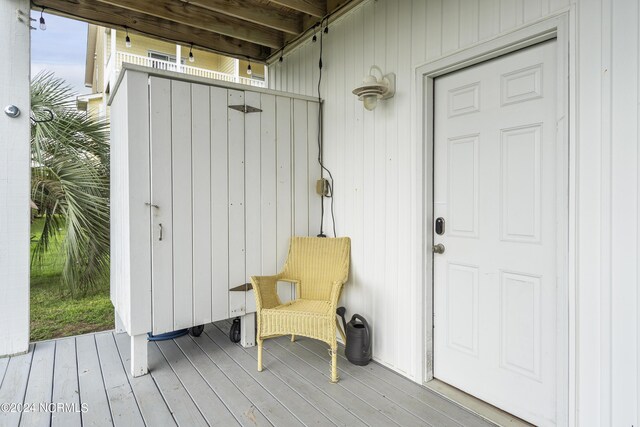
(318, 267)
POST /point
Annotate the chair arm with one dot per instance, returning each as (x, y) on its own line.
(265, 290)
(336, 290)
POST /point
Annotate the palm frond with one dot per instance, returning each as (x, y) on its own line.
(70, 182)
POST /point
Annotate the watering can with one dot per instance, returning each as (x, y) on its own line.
(358, 346)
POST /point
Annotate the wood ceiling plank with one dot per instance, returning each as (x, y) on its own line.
(111, 16)
(252, 11)
(205, 19)
(317, 8)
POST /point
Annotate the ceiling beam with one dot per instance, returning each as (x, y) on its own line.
(111, 16)
(205, 19)
(252, 11)
(317, 8)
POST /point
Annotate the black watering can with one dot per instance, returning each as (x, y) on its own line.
(358, 348)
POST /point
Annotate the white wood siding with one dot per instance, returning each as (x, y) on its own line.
(14, 179)
(369, 154)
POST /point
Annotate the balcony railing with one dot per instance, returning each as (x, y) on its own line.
(122, 57)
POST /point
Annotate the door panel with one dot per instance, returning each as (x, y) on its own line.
(182, 205)
(162, 203)
(495, 186)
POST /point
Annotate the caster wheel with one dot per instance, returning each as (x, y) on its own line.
(234, 332)
(196, 331)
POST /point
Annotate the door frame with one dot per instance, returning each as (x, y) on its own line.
(553, 27)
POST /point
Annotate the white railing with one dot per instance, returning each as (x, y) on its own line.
(122, 57)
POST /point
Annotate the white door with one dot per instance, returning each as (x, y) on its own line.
(495, 187)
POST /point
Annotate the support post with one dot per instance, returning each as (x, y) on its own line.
(15, 176)
(139, 365)
(248, 330)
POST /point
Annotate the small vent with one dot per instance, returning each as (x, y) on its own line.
(245, 108)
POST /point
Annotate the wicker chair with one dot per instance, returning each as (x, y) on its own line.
(318, 267)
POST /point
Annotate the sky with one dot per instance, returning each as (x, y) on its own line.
(61, 48)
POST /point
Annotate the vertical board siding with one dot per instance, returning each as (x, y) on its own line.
(283, 177)
(219, 204)
(236, 141)
(369, 152)
(268, 206)
(182, 205)
(201, 179)
(161, 196)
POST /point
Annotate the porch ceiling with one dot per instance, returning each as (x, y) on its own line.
(245, 29)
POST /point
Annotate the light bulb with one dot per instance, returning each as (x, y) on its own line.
(249, 69)
(43, 25)
(127, 41)
(370, 102)
(191, 58)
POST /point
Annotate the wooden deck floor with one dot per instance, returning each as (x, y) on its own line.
(208, 381)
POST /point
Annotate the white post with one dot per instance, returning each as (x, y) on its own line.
(248, 330)
(236, 70)
(14, 176)
(139, 355)
(178, 58)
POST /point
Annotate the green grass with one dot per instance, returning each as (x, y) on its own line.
(54, 311)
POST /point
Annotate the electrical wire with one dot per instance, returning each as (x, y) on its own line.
(323, 168)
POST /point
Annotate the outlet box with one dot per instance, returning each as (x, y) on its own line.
(322, 187)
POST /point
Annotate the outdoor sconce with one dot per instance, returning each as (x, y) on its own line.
(374, 88)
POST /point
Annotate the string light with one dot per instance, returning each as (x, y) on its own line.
(43, 25)
(281, 59)
(249, 68)
(191, 58)
(127, 40)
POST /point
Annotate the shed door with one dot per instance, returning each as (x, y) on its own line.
(495, 187)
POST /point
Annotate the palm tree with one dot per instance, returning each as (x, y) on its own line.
(70, 182)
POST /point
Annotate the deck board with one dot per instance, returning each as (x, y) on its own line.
(14, 386)
(210, 405)
(123, 406)
(65, 384)
(183, 408)
(153, 408)
(92, 390)
(416, 391)
(275, 412)
(208, 381)
(428, 413)
(239, 405)
(375, 398)
(40, 384)
(313, 393)
(290, 398)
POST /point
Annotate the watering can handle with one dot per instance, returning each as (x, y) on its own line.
(366, 328)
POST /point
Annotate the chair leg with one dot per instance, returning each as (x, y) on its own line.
(293, 338)
(334, 365)
(260, 354)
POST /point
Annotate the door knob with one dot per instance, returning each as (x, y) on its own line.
(438, 249)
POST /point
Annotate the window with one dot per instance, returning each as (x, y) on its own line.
(161, 60)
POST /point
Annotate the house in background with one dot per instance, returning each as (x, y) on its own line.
(107, 50)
